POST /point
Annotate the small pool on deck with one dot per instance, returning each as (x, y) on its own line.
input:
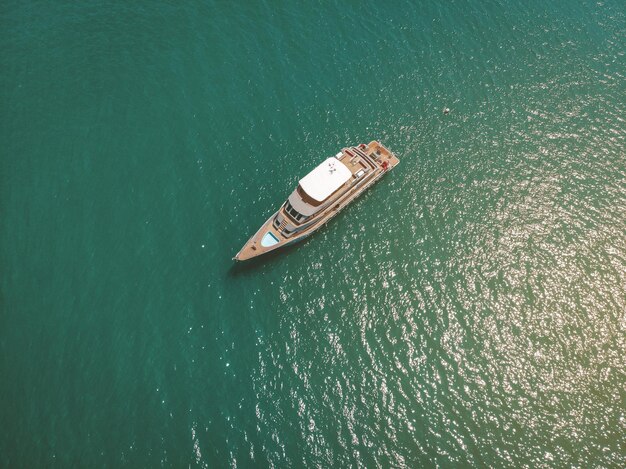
(269, 240)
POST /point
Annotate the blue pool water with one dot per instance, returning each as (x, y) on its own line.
(269, 240)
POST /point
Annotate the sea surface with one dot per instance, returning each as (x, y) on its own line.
(468, 310)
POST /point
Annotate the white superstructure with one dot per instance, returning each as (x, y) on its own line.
(325, 179)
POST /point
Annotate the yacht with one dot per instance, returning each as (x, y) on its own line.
(321, 195)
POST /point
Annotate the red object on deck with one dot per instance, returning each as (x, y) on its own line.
(385, 165)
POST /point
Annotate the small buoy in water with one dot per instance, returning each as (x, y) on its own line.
(446, 110)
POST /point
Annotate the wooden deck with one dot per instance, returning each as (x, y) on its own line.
(373, 159)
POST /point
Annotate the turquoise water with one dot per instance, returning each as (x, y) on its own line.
(469, 310)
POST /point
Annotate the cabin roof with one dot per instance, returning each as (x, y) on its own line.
(325, 179)
(303, 203)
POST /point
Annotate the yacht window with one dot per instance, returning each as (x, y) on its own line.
(294, 213)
